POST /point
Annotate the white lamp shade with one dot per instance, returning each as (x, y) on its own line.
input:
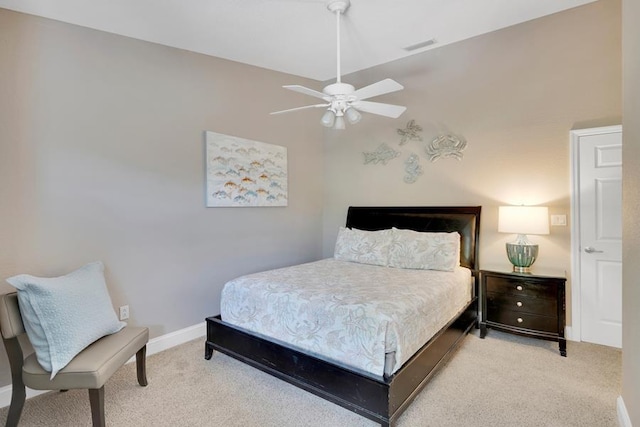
(523, 219)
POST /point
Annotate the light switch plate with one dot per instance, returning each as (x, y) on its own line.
(559, 220)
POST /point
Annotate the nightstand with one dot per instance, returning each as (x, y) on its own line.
(531, 304)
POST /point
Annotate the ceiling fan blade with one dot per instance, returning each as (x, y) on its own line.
(307, 91)
(388, 110)
(380, 88)
(300, 108)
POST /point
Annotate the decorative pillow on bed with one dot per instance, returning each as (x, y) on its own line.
(423, 250)
(365, 247)
(63, 315)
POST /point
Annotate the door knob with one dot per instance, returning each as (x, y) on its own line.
(591, 250)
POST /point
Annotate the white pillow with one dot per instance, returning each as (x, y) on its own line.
(365, 247)
(424, 250)
(63, 315)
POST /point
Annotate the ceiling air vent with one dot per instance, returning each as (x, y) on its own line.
(420, 45)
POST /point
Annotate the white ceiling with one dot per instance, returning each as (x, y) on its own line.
(295, 36)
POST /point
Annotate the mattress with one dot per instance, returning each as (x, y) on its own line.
(356, 315)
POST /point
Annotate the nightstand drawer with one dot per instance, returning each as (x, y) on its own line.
(522, 304)
(523, 320)
(523, 287)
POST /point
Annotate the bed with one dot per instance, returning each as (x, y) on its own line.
(381, 393)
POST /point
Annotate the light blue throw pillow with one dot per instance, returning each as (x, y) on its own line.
(63, 315)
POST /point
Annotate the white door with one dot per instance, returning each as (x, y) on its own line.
(600, 216)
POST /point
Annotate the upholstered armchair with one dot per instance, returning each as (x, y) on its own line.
(90, 369)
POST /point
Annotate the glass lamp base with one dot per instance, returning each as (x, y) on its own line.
(522, 256)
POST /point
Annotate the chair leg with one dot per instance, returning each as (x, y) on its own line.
(141, 366)
(18, 392)
(18, 396)
(96, 399)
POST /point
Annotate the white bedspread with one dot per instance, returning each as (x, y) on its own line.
(347, 312)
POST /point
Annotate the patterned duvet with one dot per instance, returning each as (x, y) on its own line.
(348, 313)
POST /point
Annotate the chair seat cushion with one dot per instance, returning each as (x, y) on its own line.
(93, 366)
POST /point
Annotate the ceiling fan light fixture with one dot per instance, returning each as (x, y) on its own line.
(339, 125)
(328, 118)
(353, 116)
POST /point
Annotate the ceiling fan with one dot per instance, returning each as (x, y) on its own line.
(342, 99)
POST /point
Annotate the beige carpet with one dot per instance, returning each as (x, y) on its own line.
(503, 380)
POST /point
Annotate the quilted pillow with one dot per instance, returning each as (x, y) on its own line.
(365, 247)
(424, 250)
(63, 315)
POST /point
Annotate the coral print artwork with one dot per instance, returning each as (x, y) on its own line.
(241, 172)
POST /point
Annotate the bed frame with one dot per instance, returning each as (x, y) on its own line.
(379, 399)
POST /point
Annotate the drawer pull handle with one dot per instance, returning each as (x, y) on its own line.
(519, 304)
(519, 287)
(520, 320)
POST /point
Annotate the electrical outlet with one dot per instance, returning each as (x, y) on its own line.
(124, 312)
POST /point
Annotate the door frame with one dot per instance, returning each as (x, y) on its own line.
(574, 332)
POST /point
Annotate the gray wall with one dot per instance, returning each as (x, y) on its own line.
(101, 158)
(631, 207)
(514, 95)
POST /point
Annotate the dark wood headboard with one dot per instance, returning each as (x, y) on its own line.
(463, 219)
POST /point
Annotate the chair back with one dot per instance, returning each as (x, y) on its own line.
(10, 318)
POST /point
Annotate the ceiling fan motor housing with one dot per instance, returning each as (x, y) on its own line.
(341, 95)
(336, 89)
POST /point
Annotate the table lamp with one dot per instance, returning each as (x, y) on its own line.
(523, 220)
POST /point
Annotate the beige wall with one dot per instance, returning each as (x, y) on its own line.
(101, 157)
(631, 207)
(514, 95)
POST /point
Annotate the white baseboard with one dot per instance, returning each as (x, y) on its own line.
(5, 395)
(155, 345)
(623, 415)
(172, 339)
(568, 333)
